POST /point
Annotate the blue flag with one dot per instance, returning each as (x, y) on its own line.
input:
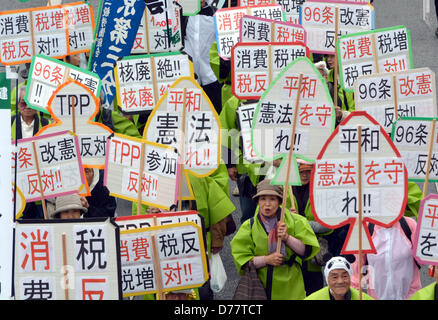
(115, 35)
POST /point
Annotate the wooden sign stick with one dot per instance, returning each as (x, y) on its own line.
(154, 81)
(429, 157)
(43, 201)
(159, 282)
(182, 152)
(376, 60)
(394, 85)
(64, 261)
(289, 157)
(146, 25)
(73, 114)
(140, 178)
(359, 198)
(336, 69)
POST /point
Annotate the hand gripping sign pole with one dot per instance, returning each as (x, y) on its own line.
(289, 158)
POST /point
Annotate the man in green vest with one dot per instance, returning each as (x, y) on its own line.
(337, 273)
(429, 292)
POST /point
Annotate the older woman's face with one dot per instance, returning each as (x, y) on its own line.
(268, 205)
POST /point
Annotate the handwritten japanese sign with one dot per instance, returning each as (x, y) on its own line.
(160, 29)
(334, 184)
(73, 107)
(272, 123)
(379, 51)
(253, 29)
(255, 65)
(412, 137)
(114, 38)
(389, 96)
(158, 178)
(158, 219)
(66, 260)
(318, 17)
(163, 258)
(227, 24)
(55, 31)
(425, 244)
(59, 159)
(245, 114)
(143, 80)
(47, 74)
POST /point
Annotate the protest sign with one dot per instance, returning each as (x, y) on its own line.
(114, 38)
(162, 259)
(227, 24)
(245, 114)
(378, 51)
(389, 96)
(158, 219)
(324, 21)
(416, 140)
(425, 241)
(73, 107)
(52, 161)
(255, 65)
(253, 29)
(160, 29)
(190, 7)
(290, 7)
(186, 119)
(77, 259)
(47, 74)
(128, 158)
(5, 90)
(142, 80)
(55, 31)
(275, 119)
(351, 185)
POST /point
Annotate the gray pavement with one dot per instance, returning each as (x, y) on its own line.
(388, 13)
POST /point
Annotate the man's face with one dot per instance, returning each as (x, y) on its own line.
(339, 282)
(305, 176)
(23, 108)
(70, 214)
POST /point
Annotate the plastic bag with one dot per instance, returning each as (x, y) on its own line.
(218, 274)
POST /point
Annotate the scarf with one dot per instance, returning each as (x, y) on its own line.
(271, 227)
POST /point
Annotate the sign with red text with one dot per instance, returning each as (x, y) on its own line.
(334, 184)
(253, 29)
(86, 268)
(255, 65)
(389, 96)
(47, 74)
(160, 28)
(60, 166)
(318, 17)
(245, 114)
(290, 7)
(158, 219)
(425, 241)
(55, 31)
(412, 137)
(73, 97)
(227, 24)
(379, 51)
(163, 258)
(140, 85)
(272, 127)
(158, 181)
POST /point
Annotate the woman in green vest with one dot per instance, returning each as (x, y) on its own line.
(430, 292)
(337, 273)
(256, 241)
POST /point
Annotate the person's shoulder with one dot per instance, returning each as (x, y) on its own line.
(355, 295)
(321, 294)
(426, 293)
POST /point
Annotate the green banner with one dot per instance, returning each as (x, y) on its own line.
(5, 91)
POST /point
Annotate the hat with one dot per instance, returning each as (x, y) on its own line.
(70, 202)
(265, 188)
(337, 263)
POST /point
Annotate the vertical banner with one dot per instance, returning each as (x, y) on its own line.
(389, 96)
(349, 181)
(379, 51)
(6, 210)
(75, 259)
(114, 38)
(5, 90)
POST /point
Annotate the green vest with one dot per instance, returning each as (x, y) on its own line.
(347, 98)
(427, 293)
(323, 294)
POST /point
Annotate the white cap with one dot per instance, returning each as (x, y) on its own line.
(337, 263)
